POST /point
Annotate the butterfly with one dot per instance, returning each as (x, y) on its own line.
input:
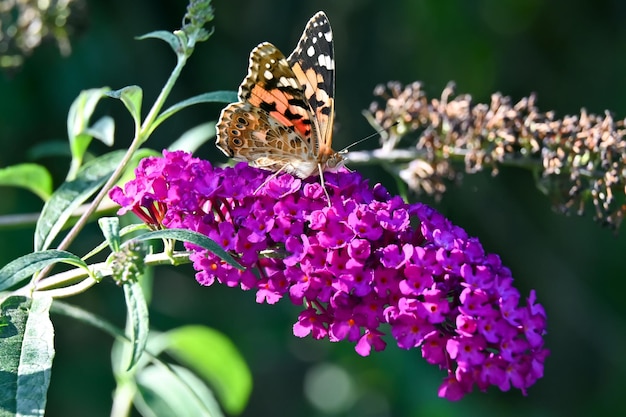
(283, 120)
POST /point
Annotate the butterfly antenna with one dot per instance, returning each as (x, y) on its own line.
(345, 150)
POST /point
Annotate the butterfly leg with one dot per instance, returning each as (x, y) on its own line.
(323, 184)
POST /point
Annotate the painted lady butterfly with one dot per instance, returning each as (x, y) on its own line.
(284, 118)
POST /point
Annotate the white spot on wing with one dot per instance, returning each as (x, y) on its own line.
(310, 51)
(288, 82)
(326, 61)
(268, 74)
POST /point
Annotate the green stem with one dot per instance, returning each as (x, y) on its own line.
(123, 399)
(76, 281)
(140, 137)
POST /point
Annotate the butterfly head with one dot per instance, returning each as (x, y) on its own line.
(333, 161)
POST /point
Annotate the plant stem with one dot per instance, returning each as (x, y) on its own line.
(63, 284)
(141, 136)
(123, 399)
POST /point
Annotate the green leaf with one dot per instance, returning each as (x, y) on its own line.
(33, 177)
(103, 130)
(166, 36)
(194, 238)
(78, 120)
(110, 227)
(195, 137)
(137, 322)
(215, 358)
(212, 97)
(70, 195)
(26, 354)
(174, 392)
(23, 267)
(132, 97)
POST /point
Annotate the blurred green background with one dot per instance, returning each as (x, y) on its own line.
(571, 53)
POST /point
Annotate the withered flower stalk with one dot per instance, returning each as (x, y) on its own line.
(577, 159)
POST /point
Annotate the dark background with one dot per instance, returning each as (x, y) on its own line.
(570, 52)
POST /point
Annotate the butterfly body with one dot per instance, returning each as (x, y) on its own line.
(284, 118)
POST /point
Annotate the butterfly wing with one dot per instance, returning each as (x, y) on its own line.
(313, 64)
(283, 121)
(273, 119)
(250, 134)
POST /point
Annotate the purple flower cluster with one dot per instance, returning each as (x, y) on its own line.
(365, 260)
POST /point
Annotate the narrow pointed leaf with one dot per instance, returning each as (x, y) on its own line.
(33, 177)
(26, 354)
(78, 118)
(132, 97)
(138, 325)
(110, 227)
(166, 36)
(194, 238)
(23, 267)
(103, 130)
(72, 194)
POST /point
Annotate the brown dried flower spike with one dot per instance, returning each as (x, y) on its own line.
(577, 158)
